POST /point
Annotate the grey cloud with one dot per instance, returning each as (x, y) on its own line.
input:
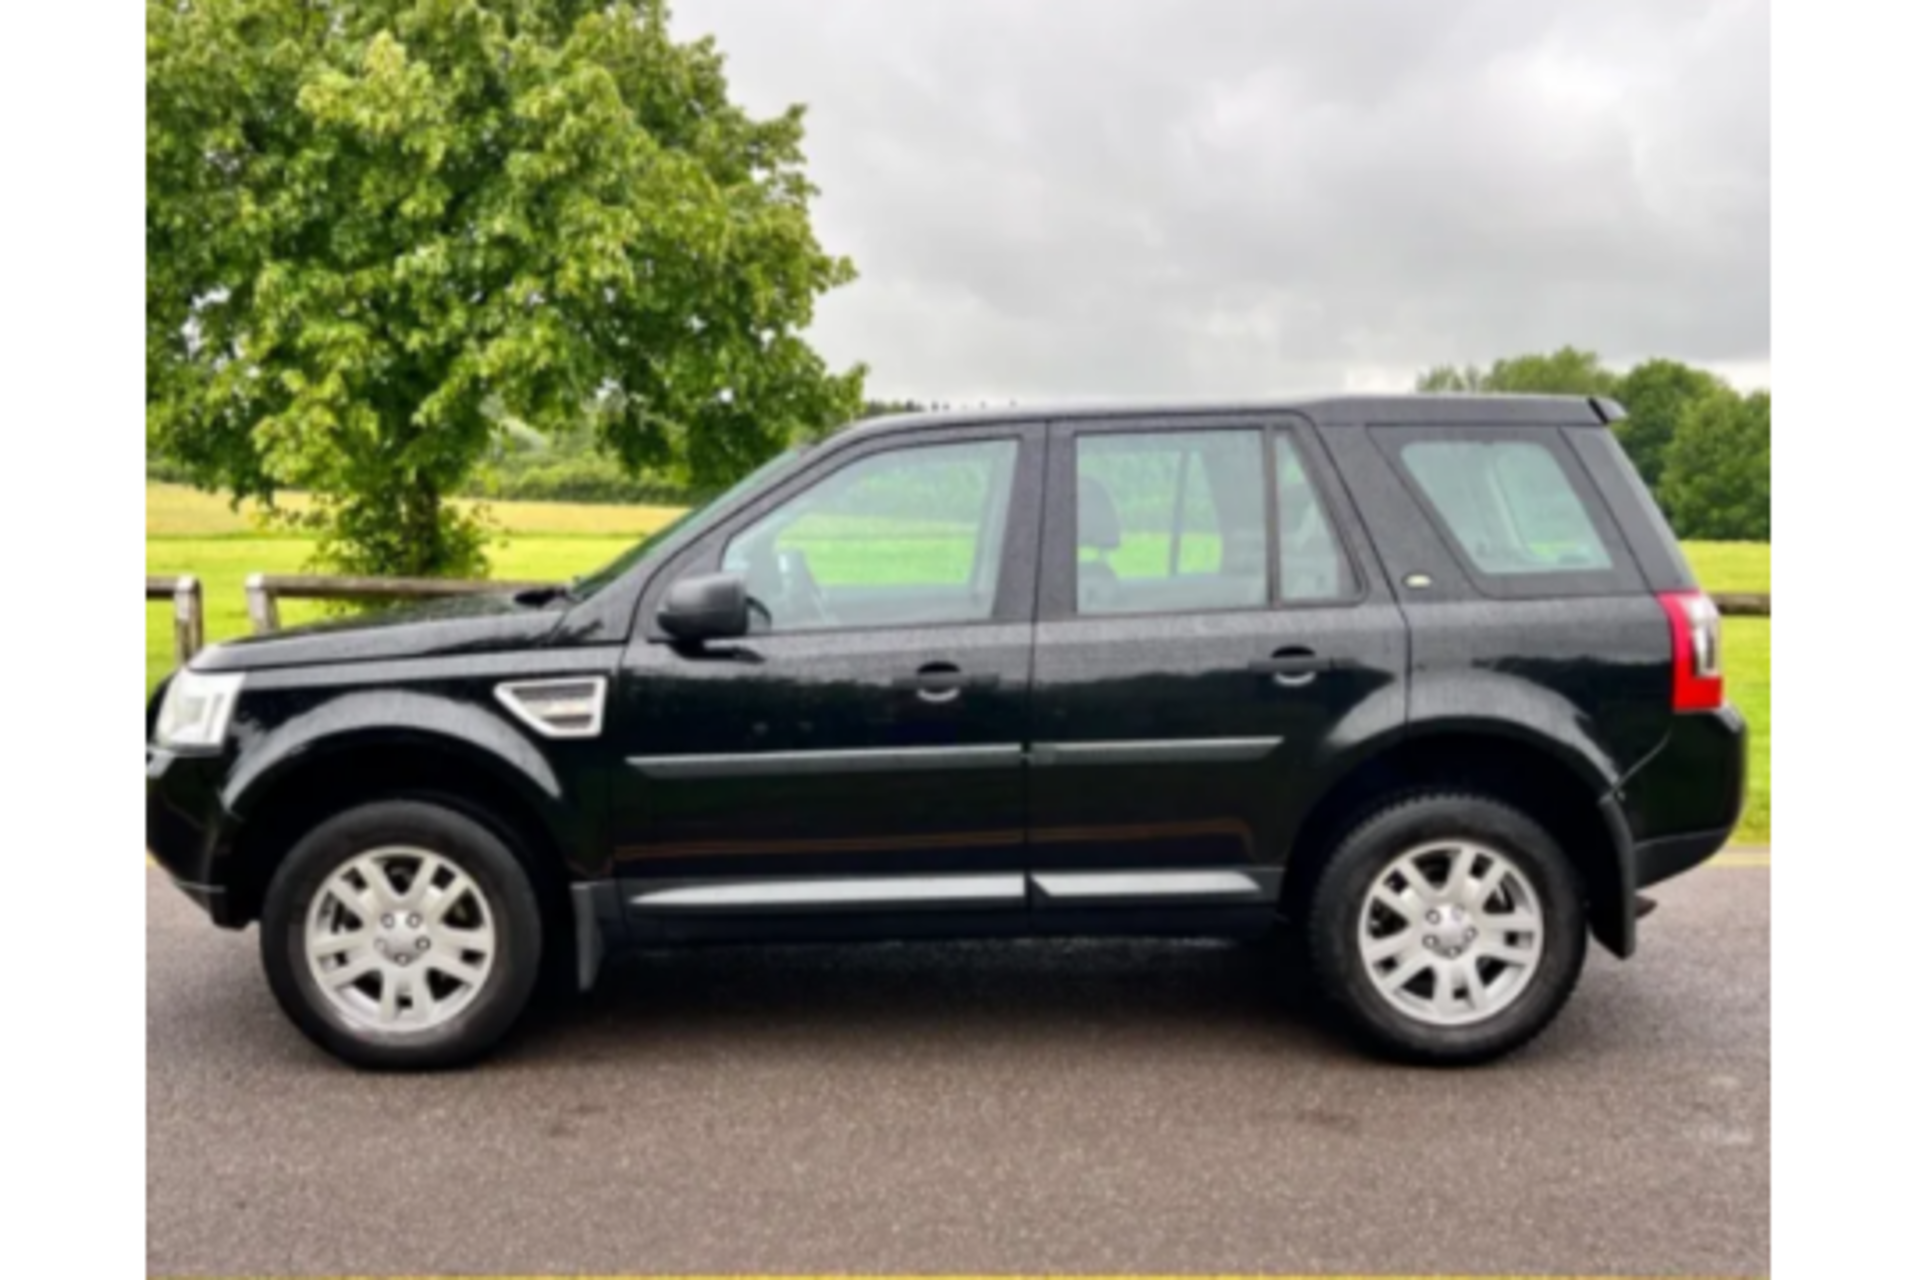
(1053, 199)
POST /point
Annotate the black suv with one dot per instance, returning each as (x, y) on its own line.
(1428, 676)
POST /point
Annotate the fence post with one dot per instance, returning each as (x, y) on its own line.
(189, 619)
(261, 610)
(1740, 604)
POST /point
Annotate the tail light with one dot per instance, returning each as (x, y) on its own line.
(1695, 624)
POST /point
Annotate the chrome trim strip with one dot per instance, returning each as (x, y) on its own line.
(764, 764)
(1145, 884)
(882, 891)
(1154, 751)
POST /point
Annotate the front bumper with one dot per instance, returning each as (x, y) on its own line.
(189, 832)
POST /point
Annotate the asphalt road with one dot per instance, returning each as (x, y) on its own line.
(974, 1108)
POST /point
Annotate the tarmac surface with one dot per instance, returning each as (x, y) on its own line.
(977, 1107)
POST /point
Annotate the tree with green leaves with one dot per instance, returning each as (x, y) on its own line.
(379, 229)
(881, 408)
(1656, 394)
(1451, 379)
(1564, 372)
(1718, 484)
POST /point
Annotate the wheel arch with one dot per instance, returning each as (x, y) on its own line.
(292, 778)
(1568, 792)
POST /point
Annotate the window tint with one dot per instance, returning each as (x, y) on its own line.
(1170, 522)
(1313, 566)
(1509, 505)
(903, 538)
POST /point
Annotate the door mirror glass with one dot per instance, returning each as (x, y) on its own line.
(708, 606)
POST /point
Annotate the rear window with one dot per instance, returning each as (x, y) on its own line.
(1170, 522)
(1509, 504)
(1313, 566)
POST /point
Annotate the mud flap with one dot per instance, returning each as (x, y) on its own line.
(597, 921)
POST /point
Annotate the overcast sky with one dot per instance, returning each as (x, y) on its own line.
(1060, 199)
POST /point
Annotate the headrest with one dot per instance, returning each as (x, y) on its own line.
(1296, 500)
(1099, 518)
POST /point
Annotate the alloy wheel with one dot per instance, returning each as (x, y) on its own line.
(399, 940)
(1451, 933)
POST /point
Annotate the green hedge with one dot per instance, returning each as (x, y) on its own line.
(589, 478)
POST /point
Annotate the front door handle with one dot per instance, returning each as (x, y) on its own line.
(939, 682)
(1292, 668)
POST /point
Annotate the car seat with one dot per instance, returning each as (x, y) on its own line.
(1099, 586)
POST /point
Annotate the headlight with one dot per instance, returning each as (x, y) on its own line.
(196, 710)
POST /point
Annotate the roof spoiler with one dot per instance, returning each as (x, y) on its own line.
(1608, 410)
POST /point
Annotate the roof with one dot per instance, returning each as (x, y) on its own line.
(1325, 411)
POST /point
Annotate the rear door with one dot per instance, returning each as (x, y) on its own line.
(1208, 624)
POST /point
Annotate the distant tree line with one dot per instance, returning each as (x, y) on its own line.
(1702, 447)
(572, 466)
(882, 408)
(569, 465)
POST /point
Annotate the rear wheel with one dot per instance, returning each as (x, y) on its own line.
(402, 934)
(1447, 928)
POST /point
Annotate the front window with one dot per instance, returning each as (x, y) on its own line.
(909, 537)
(692, 522)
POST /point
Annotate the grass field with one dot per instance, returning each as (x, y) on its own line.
(1732, 566)
(1749, 667)
(175, 511)
(189, 532)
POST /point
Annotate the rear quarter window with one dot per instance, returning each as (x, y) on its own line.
(1516, 508)
(1508, 503)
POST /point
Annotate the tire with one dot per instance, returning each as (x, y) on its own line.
(1449, 982)
(412, 1007)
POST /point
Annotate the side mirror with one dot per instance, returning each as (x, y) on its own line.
(708, 606)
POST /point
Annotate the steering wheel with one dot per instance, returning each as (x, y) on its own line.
(803, 590)
(759, 617)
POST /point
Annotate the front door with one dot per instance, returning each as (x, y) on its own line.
(856, 764)
(1205, 629)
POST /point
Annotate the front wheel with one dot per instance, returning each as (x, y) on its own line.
(1447, 928)
(402, 934)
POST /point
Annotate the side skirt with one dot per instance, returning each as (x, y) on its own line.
(1203, 902)
(910, 926)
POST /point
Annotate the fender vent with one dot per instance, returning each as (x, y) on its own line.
(570, 708)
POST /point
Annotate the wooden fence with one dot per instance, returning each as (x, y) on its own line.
(1735, 604)
(189, 613)
(266, 590)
